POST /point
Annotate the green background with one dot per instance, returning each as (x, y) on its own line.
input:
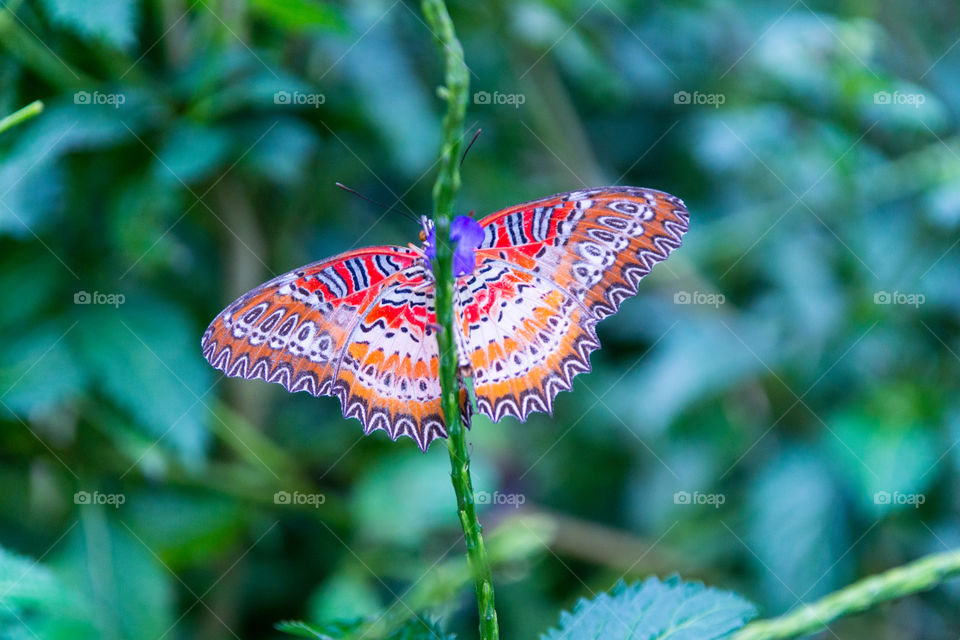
(812, 374)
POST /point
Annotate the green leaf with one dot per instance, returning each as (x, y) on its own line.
(655, 610)
(301, 15)
(31, 193)
(348, 593)
(887, 455)
(684, 356)
(132, 590)
(144, 208)
(81, 121)
(34, 281)
(36, 602)
(420, 629)
(190, 153)
(185, 527)
(32, 174)
(38, 372)
(280, 148)
(412, 629)
(112, 21)
(142, 354)
(392, 96)
(797, 530)
(326, 631)
(23, 581)
(422, 506)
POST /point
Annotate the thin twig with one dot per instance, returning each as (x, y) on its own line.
(920, 575)
(21, 115)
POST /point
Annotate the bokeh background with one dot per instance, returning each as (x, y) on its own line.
(776, 413)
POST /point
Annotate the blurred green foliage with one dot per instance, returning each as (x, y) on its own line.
(776, 414)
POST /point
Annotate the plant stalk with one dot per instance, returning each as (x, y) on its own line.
(445, 189)
(920, 575)
(21, 115)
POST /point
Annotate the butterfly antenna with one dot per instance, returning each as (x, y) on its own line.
(475, 136)
(379, 204)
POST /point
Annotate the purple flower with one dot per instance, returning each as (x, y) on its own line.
(466, 235)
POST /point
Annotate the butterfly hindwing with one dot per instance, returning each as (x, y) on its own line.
(548, 271)
(524, 337)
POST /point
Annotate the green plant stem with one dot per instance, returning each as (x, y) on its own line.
(917, 576)
(444, 192)
(21, 115)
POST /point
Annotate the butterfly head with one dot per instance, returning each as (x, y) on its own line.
(466, 236)
(426, 233)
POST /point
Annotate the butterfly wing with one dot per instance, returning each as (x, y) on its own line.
(356, 326)
(547, 272)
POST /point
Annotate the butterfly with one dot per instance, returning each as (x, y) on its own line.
(532, 282)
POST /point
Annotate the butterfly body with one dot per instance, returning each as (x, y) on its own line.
(532, 283)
